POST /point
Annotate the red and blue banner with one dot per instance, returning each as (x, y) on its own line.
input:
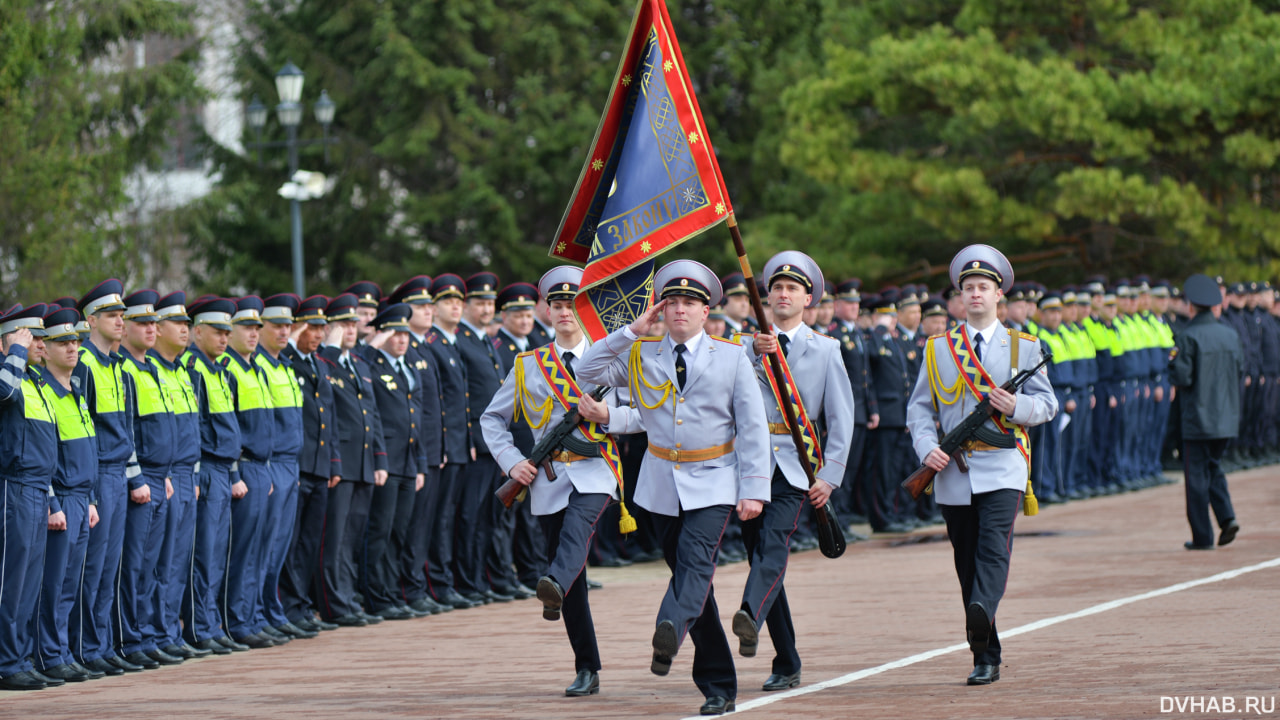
(650, 180)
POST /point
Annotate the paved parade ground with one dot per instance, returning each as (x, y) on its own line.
(1106, 616)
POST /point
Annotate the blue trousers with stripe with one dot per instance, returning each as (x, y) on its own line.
(143, 539)
(93, 632)
(63, 571)
(200, 617)
(22, 543)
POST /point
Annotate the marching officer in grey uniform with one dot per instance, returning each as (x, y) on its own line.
(569, 507)
(700, 402)
(817, 368)
(980, 504)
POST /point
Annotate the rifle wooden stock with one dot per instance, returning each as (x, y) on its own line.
(920, 481)
(510, 492)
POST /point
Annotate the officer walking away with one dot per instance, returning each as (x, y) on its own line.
(1206, 367)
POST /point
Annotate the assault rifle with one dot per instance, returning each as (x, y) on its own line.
(973, 427)
(549, 445)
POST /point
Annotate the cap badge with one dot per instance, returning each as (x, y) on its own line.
(684, 282)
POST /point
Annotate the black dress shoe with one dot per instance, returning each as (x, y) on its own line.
(519, 591)
(64, 672)
(370, 619)
(1192, 546)
(977, 624)
(496, 596)
(411, 612)
(142, 659)
(123, 664)
(49, 681)
(427, 606)
(194, 652)
(748, 634)
(1228, 533)
(256, 641)
(102, 666)
(177, 651)
(781, 682)
(213, 646)
(22, 681)
(164, 658)
(716, 706)
(306, 623)
(665, 645)
(91, 673)
(393, 613)
(552, 597)
(984, 675)
(477, 599)
(457, 601)
(594, 584)
(586, 683)
(278, 637)
(322, 625)
(226, 642)
(291, 629)
(349, 620)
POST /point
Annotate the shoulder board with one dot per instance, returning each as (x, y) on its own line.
(525, 354)
(650, 338)
(1027, 336)
(326, 360)
(819, 333)
(734, 342)
(432, 338)
(939, 336)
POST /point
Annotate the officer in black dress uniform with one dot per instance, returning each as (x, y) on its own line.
(852, 496)
(358, 435)
(893, 382)
(416, 293)
(485, 374)
(319, 464)
(449, 292)
(387, 538)
(527, 549)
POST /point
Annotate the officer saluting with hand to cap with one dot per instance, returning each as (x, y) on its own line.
(700, 402)
(28, 457)
(979, 504)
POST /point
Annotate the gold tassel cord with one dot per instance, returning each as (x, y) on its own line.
(636, 372)
(521, 396)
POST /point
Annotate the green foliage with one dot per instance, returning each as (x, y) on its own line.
(74, 122)
(880, 135)
(1098, 135)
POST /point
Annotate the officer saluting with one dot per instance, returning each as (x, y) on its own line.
(817, 368)
(979, 505)
(364, 464)
(539, 388)
(701, 405)
(28, 457)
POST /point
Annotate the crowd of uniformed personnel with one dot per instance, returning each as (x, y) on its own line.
(186, 478)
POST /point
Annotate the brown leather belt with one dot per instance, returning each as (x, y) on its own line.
(680, 455)
(779, 429)
(565, 456)
(977, 446)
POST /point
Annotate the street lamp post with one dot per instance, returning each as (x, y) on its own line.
(289, 82)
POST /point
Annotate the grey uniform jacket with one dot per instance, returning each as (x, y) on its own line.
(586, 476)
(721, 402)
(989, 470)
(823, 381)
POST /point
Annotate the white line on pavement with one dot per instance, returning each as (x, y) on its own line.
(1029, 627)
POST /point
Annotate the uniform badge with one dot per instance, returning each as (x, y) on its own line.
(337, 381)
(911, 354)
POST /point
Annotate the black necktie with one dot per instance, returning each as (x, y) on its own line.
(680, 369)
(351, 366)
(784, 342)
(568, 364)
(311, 360)
(977, 347)
(404, 371)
